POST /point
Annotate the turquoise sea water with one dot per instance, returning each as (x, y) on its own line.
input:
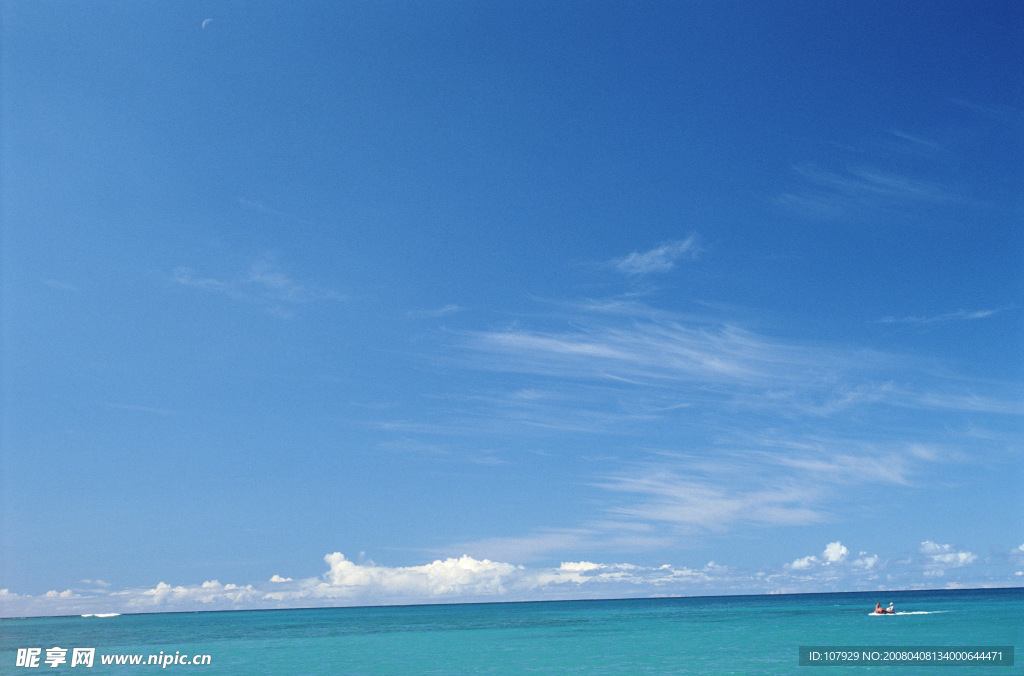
(708, 635)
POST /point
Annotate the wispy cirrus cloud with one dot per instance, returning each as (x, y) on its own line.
(622, 369)
(668, 497)
(261, 208)
(700, 502)
(1005, 115)
(139, 408)
(631, 344)
(441, 452)
(445, 311)
(773, 482)
(58, 285)
(677, 360)
(824, 193)
(659, 259)
(949, 399)
(264, 284)
(898, 173)
(959, 315)
(862, 182)
(916, 141)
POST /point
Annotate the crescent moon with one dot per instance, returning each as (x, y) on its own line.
(206, 21)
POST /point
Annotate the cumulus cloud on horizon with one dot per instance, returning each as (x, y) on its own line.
(804, 563)
(867, 562)
(351, 583)
(468, 579)
(834, 553)
(940, 558)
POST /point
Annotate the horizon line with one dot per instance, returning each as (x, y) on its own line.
(664, 597)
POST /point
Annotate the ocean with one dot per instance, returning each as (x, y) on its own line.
(703, 635)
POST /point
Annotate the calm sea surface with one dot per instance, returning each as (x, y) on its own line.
(709, 635)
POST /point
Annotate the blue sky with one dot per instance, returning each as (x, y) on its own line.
(336, 303)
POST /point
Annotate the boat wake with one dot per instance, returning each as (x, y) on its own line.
(910, 612)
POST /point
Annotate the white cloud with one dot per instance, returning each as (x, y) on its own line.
(804, 563)
(12, 605)
(642, 352)
(469, 579)
(661, 259)
(210, 593)
(623, 367)
(449, 309)
(348, 583)
(139, 408)
(670, 493)
(821, 193)
(834, 552)
(959, 315)
(963, 402)
(270, 282)
(463, 576)
(865, 562)
(60, 286)
(940, 558)
(187, 277)
(915, 140)
(635, 346)
(567, 573)
(264, 284)
(892, 467)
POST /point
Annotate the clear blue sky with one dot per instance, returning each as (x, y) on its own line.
(359, 302)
